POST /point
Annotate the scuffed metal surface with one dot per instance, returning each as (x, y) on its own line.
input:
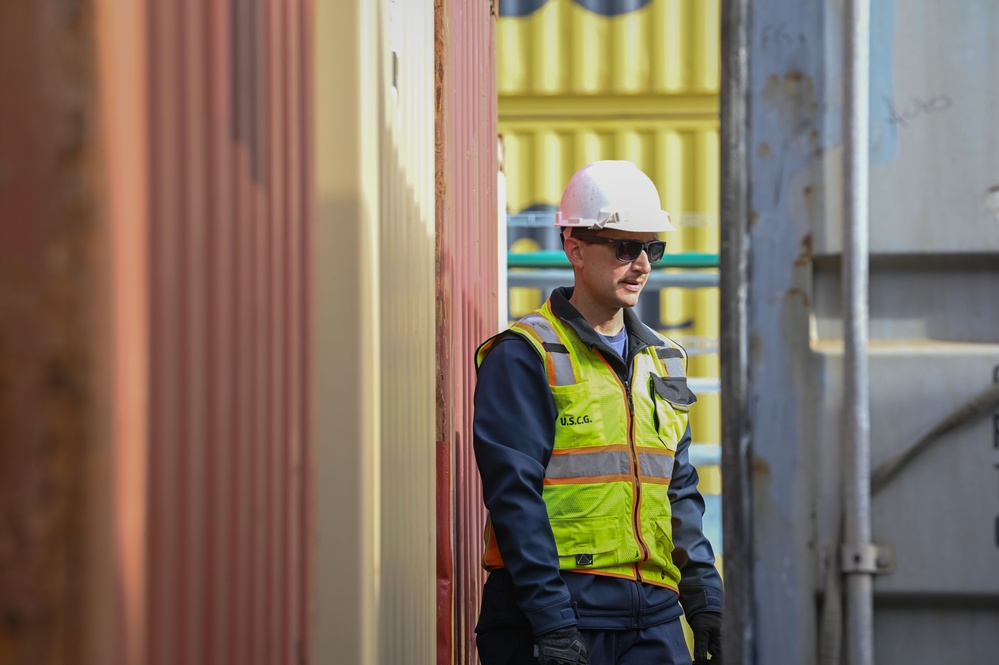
(230, 240)
(787, 101)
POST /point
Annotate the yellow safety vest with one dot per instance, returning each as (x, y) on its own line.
(606, 485)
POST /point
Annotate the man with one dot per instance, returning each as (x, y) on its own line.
(594, 539)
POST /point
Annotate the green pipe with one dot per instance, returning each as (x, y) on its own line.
(557, 259)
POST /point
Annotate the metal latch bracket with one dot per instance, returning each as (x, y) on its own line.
(870, 559)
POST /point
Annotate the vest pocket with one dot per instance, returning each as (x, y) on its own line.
(672, 399)
(664, 536)
(674, 390)
(578, 417)
(592, 542)
(662, 559)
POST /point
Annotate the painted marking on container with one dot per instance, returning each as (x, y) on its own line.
(916, 108)
(776, 35)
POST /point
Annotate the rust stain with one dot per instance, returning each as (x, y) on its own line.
(794, 92)
(811, 206)
(797, 293)
(763, 150)
(805, 257)
(761, 470)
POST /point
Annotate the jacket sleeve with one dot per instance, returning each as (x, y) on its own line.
(700, 584)
(513, 432)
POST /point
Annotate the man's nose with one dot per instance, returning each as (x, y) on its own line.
(642, 263)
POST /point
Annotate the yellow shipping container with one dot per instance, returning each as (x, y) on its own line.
(665, 47)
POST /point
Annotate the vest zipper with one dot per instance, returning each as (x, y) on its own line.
(636, 512)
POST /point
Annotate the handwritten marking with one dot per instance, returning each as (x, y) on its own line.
(776, 34)
(919, 107)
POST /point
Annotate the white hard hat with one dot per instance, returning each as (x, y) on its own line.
(613, 195)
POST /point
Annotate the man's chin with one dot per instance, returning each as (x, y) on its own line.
(628, 300)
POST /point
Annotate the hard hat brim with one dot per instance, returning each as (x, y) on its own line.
(655, 223)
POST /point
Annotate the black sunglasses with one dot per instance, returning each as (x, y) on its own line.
(629, 250)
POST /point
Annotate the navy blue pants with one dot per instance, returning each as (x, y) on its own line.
(663, 644)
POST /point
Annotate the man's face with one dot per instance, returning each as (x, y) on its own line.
(606, 279)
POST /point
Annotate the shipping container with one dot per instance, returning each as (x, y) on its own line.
(156, 236)
(406, 287)
(860, 269)
(468, 303)
(55, 356)
(374, 253)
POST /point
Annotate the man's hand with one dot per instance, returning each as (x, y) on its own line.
(706, 627)
(562, 646)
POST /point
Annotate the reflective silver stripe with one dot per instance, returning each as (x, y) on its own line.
(674, 367)
(589, 465)
(673, 359)
(656, 466)
(561, 362)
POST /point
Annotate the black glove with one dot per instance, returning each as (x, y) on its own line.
(706, 627)
(562, 646)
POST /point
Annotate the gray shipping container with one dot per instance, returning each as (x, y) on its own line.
(931, 315)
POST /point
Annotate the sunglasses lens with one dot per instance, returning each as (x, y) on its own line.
(629, 250)
(656, 249)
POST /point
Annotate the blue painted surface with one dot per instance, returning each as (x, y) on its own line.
(883, 132)
(788, 114)
(934, 148)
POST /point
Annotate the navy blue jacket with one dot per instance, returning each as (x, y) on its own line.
(513, 435)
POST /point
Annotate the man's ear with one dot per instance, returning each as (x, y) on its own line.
(574, 251)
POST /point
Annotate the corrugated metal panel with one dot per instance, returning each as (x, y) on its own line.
(229, 232)
(405, 300)
(54, 353)
(666, 47)
(375, 328)
(123, 64)
(467, 288)
(347, 189)
(153, 292)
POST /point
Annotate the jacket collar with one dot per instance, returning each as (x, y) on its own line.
(639, 334)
